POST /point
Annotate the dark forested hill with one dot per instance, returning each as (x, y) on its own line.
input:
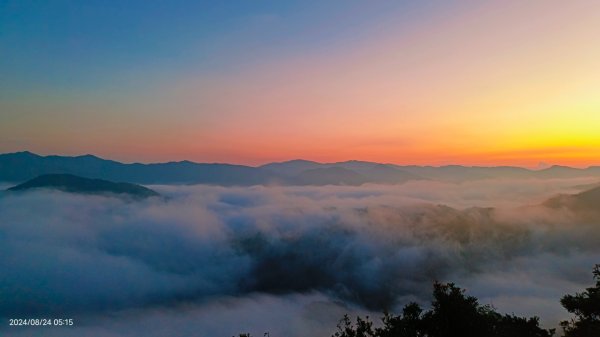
(75, 184)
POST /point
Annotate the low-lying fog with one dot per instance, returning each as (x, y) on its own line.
(218, 261)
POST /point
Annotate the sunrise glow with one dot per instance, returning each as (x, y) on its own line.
(505, 83)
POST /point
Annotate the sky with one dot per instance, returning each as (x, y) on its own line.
(251, 82)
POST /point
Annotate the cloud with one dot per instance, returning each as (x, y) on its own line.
(223, 260)
(311, 314)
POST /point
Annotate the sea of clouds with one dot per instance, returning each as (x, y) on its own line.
(218, 261)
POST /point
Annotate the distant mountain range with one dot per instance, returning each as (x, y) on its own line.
(22, 166)
(75, 184)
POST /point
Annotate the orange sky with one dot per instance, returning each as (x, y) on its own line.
(508, 83)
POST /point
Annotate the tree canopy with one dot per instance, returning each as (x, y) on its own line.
(452, 314)
(586, 308)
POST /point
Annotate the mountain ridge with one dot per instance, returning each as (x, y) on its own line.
(25, 165)
(81, 185)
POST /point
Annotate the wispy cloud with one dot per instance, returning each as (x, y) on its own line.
(225, 260)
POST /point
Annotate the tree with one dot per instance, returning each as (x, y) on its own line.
(409, 324)
(586, 308)
(513, 326)
(452, 314)
(362, 328)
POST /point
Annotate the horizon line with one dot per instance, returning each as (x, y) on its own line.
(545, 167)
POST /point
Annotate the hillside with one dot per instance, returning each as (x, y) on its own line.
(586, 201)
(75, 184)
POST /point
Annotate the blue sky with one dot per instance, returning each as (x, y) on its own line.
(504, 82)
(48, 45)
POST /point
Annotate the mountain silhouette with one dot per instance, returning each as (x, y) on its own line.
(292, 167)
(75, 184)
(22, 166)
(330, 176)
(351, 172)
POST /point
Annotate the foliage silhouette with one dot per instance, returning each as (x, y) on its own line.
(455, 314)
(586, 308)
(452, 314)
(362, 328)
